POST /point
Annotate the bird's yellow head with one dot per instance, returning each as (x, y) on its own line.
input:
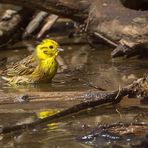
(47, 48)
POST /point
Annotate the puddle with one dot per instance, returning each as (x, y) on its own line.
(93, 66)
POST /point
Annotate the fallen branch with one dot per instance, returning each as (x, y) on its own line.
(34, 23)
(105, 39)
(51, 19)
(95, 99)
(69, 111)
(127, 51)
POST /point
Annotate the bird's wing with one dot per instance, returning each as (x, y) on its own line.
(23, 67)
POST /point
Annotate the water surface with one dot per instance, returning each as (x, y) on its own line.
(86, 65)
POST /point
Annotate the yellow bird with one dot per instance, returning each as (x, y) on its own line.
(38, 68)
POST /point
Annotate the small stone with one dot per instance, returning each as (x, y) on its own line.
(23, 98)
(104, 4)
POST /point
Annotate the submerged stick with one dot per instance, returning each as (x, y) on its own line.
(117, 131)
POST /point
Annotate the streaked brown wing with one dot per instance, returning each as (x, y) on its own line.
(23, 67)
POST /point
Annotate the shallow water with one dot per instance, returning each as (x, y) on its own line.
(88, 65)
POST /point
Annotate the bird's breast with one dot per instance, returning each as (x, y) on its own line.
(45, 71)
(49, 67)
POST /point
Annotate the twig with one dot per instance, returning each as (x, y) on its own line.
(35, 23)
(88, 19)
(118, 92)
(50, 22)
(119, 113)
(105, 39)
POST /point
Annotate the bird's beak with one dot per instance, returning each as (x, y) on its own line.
(60, 49)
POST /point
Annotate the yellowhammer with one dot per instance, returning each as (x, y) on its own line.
(38, 68)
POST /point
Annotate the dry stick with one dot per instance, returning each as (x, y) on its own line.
(105, 39)
(106, 98)
(50, 22)
(88, 19)
(35, 23)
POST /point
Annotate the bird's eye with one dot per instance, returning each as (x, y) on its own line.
(51, 47)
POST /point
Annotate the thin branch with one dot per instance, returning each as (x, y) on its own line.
(105, 39)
